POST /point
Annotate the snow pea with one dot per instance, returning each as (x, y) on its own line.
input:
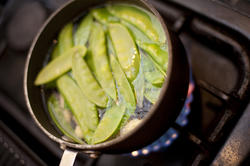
(83, 30)
(138, 84)
(142, 19)
(104, 16)
(138, 35)
(56, 113)
(65, 38)
(128, 113)
(151, 73)
(109, 124)
(156, 51)
(59, 65)
(159, 54)
(125, 49)
(84, 111)
(124, 88)
(55, 53)
(159, 28)
(98, 53)
(152, 93)
(87, 83)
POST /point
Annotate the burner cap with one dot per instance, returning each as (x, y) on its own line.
(24, 24)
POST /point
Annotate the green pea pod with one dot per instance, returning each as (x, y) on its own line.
(128, 113)
(138, 84)
(59, 65)
(123, 85)
(125, 50)
(87, 83)
(138, 35)
(156, 51)
(111, 50)
(159, 28)
(84, 111)
(83, 30)
(55, 53)
(151, 73)
(56, 113)
(89, 60)
(65, 38)
(109, 124)
(104, 16)
(158, 54)
(141, 18)
(98, 53)
(152, 93)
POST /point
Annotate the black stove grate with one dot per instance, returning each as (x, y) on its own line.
(13, 151)
(220, 61)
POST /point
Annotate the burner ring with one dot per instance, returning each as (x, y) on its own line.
(170, 135)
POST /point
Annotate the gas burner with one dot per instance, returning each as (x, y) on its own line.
(172, 134)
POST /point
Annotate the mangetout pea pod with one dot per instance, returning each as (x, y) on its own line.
(151, 73)
(128, 113)
(59, 65)
(157, 25)
(138, 35)
(56, 113)
(122, 82)
(87, 82)
(109, 124)
(99, 59)
(156, 51)
(84, 111)
(158, 54)
(83, 30)
(55, 53)
(123, 85)
(138, 84)
(141, 18)
(152, 93)
(104, 16)
(65, 38)
(64, 43)
(125, 49)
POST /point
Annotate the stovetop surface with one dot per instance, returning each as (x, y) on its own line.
(219, 58)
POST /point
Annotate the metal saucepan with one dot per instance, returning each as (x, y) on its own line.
(159, 118)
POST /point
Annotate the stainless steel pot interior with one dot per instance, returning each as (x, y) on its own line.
(38, 53)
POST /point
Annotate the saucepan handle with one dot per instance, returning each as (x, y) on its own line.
(68, 157)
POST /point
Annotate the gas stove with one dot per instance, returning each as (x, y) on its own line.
(216, 36)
